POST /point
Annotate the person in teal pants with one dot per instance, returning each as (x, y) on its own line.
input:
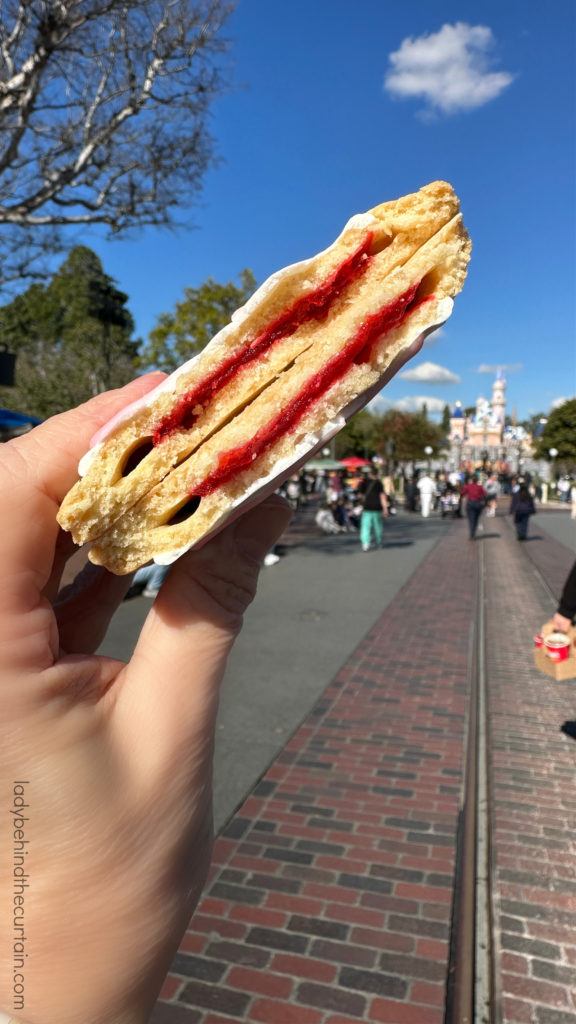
(375, 505)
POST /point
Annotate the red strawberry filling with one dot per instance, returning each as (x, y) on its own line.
(314, 306)
(358, 350)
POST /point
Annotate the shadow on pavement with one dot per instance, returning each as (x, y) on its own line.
(339, 545)
(487, 536)
(569, 729)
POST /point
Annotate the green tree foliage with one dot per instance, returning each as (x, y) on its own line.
(445, 423)
(559, 433)
(358, 436)
(196, 319)
(72, 338)
(409, 433)
(397, 436)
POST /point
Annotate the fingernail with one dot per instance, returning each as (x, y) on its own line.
(259, 529)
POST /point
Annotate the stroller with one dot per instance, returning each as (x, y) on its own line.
(451, 505)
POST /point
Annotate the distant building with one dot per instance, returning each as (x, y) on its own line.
(483, 439)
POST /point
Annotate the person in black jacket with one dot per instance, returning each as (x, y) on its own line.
(566, 613)
(522, 507)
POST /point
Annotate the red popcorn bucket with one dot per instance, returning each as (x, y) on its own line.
(538, 640)
(557, 646)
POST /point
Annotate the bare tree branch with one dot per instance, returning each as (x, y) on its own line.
(103, 114)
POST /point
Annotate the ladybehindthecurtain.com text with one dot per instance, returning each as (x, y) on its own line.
(20, 884)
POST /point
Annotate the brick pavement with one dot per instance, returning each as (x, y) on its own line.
(533, 780)
(551, 559)
(330, 894)
(331, 889)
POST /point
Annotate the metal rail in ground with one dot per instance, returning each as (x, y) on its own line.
(470, 994)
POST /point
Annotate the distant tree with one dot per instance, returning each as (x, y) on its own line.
(104, 107)
(470, 410)
(559, 433)
(201, 314)
(72, 338)
(410, 432)
(445, 423)
(358, 437)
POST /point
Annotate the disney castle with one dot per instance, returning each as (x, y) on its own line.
(483, 439)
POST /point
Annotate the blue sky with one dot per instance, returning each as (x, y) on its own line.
(479, 94)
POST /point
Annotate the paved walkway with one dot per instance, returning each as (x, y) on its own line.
(331, 888)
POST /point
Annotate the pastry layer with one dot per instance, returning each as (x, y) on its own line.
(286, 318)
(347, 358)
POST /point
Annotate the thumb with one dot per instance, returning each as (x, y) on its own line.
(169, 693)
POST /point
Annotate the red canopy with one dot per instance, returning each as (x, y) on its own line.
(353, 462)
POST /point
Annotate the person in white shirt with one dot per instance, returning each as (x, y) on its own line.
(427, 489)
(564, 488)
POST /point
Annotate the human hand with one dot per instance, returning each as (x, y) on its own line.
(561, 623)
(105, 768)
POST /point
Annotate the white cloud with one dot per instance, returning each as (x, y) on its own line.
(493, 368)
(557, 402)
(431, 373)
(411, 403)
(450, 69)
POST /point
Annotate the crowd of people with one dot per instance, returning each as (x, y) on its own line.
(358, 501)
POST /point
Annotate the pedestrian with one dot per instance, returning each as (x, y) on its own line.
(522, 507)
(492, 488)
(148, 580)
(341, 511)
(374, 506)
(321, 485)
(427, 489)
(566, 612)
(324, 518)
(294, 491)
(564, 488)
(334, 487)
(410, 494)
(475, 497)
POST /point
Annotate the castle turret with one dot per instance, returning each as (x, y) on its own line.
(499, 399)
(458, 422)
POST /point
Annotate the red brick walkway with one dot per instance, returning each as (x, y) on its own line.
(331, 894)
(331, 890)
(533, 793)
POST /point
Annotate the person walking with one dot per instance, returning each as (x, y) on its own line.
(564, 488)
(522, 507)
(410, 494)
(566, 611)
(374, 506)
(427, 489)
(492, 488)
(475, 497)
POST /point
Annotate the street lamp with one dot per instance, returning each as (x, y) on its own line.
(428, 450)
(552, 452)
